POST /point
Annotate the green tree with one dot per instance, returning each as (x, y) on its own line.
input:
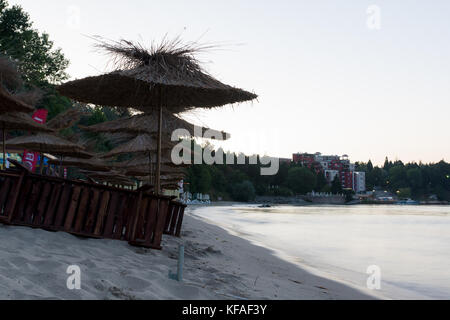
(244, 192)
(378, 176)
(404, 193)
(97, 116)
(204, 180)
(54, 103)
(301, 180)
(219, 182)
(326, 189)
(321, 182)
(39, 63)
(336, 185)
(397, 177)
(369, 166)
(387, 164)
(414, 177)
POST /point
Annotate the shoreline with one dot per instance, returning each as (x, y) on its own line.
(299, 202)
(313, 280)
(320, 239)
(218, 266)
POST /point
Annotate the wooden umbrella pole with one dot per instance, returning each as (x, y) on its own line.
(149, 167)
(158, 157)
(60, 167)
(4, 148)
(41, 165)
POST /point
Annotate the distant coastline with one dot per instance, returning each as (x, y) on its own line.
(301, 200)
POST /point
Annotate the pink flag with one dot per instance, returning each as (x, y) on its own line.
(30, 158)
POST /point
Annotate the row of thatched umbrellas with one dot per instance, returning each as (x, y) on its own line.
(76, 156)
(161, 83)
(14, 116)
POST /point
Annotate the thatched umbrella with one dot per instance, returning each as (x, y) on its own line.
(143, 143)
(148, 123)
(143, 165)
(141, 171)
(114, 177)
(88, 164)
(170, 186)
(171, 181)
(165, 185)
(30, 97)
(9, 74)
(169, 176)
(48, 143)
(9, 103)
(19, 121)
(144, 161)
(11, 81)
(173, 176)
(165, 77)
(145, 171)
(65, 119)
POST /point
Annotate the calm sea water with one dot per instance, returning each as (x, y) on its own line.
(410, 244)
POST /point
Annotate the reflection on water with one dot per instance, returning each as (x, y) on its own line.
(410, 244)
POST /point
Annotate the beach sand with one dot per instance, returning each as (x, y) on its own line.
(218, 265)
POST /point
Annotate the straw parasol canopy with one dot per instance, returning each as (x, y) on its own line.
(87, 164)
(30, 97)
(9, 103)
(114, 177)
(21, 121)
(173, 176)
(9, 74)
(65, 119)
(170, 186)
(165, 178)
(166, 77)
(143, 143)
(143, 171)
(144, 166)
(47, 143)
(11, 81)
(170, 181)
(142, 161)
(168, 72)
(148, 123)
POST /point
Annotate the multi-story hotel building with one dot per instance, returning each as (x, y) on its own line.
(332, 166)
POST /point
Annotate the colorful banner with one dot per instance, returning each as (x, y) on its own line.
(30, 159)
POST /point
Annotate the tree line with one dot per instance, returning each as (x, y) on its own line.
(244, 182)
(411, 180)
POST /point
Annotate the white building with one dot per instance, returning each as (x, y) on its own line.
(359, 181)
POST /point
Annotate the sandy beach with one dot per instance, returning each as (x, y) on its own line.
(218, 265)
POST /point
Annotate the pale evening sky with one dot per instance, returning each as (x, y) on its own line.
(326, 81)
